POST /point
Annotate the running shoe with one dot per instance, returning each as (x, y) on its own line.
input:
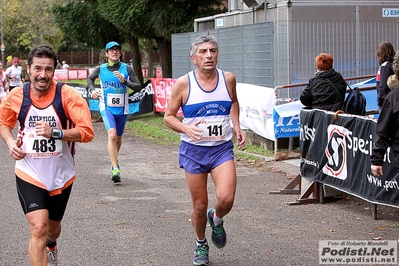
(201, 252)
(52, 256)
(115, 175)
(219, 237)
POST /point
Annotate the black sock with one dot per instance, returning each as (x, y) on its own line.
(51, 244)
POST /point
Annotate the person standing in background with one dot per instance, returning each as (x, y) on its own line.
(385, 54)
(387, 130)
(59, 66)
(117, 81)
(64, 65)
(14, 75)
(3, 84)
(208, 98)
(326, 90)
(51, 117)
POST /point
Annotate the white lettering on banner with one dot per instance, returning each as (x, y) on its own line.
(359, 144)
(387, 185)
(290, 122)
(139, 95)
(390, 12)
(387, 158)
(341, 139)
(353, 143)
(307, 133)
(309, 162)
(289, 130)
(374, 180)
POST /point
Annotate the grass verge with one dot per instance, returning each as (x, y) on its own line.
(150, 126)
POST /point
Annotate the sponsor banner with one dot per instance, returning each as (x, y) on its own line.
(256, 109)
(141, 102)
(286, 119)
(337, 153)
(162, 90)
(348, 252)
(71, 74)
(390, 12)
(80, 88)
(61, 74)
(286, 116)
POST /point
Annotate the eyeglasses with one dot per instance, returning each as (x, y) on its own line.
(114, 49)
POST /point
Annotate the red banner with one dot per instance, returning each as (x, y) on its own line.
(162, 89)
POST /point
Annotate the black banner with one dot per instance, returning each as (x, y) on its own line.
(141, 102)
(337, 153)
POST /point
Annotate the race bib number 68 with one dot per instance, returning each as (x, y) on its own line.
(115, 100)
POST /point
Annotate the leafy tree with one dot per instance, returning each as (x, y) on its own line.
(130, 18)
(95, 22)
(27, 24)
(82, 22)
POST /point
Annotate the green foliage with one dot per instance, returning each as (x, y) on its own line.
(175, 16)
(82, 22)
(27, 24)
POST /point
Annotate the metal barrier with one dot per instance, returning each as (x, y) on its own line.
(291, 153)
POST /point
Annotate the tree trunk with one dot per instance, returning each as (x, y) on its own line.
(150, 50)
(134, 44)
(165, 51)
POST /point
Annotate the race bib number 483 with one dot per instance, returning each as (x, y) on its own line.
(41, 147)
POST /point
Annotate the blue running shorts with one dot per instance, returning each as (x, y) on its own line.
(202, 159)
(114, 121)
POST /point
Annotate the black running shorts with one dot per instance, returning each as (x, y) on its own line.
(35, 198)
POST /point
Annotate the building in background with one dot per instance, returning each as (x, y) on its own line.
(275, 42)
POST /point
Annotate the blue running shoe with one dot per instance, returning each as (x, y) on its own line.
(219, 237)
(201, 252)
(115, 175)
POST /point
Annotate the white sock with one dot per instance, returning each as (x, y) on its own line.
(201, 241)
(216, 220)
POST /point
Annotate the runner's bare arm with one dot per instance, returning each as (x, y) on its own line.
(235, 108)
(13, 145)
(176, 100)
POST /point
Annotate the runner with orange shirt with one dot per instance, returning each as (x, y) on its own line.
(51, 117)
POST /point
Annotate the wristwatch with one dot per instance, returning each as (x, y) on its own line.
(56, 133)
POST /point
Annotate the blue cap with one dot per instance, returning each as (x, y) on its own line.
(110, 45)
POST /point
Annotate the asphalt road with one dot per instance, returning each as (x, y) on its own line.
(144, 220)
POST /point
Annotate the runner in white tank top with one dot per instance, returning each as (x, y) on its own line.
(209, 103)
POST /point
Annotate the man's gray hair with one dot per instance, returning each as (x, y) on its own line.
(202, 39)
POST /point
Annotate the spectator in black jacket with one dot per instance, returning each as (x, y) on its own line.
(385, 54)
(387, 128)
(326, 90)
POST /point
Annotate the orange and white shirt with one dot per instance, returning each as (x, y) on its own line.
(49, 163)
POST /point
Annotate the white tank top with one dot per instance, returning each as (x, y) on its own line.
(211, 109)
(49, 162)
